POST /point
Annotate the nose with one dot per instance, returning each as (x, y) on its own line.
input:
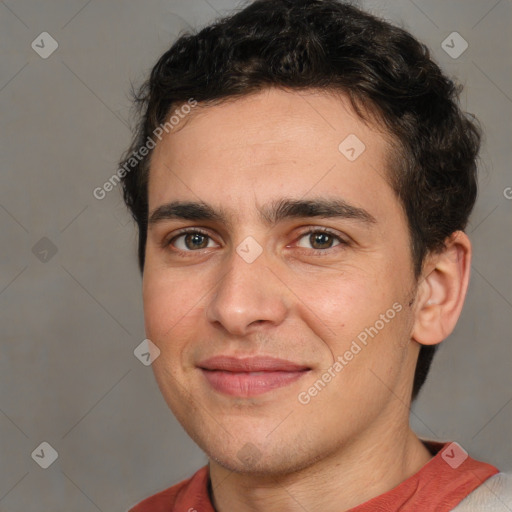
(248, 297)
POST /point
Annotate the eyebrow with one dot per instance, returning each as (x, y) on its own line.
(271, 214)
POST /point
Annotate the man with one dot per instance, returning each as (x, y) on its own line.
(301, 200)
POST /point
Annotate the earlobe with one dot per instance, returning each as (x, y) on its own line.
(442, 290)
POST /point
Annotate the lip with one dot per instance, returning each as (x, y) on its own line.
(250, 376)
(251, 364)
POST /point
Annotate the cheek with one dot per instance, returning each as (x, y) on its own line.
(166, 302)
(175, 312)
(157, 311)
(341, 302)
(357, 314)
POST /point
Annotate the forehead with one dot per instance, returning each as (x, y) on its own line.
(273, 142)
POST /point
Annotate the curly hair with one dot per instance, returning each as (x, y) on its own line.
(332, 46)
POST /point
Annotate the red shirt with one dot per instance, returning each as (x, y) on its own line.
(438, 486)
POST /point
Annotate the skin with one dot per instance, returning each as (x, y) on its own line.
(296, 301)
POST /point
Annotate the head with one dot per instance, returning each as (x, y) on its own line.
(284, 114)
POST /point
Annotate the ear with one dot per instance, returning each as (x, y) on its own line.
(442, 290)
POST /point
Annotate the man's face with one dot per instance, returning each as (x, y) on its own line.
(300, 246)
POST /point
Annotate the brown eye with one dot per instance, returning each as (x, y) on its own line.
(192, 241)
(319, 240)
(196, 241)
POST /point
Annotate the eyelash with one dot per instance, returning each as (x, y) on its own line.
(322, 252)
(187, 231)
(319, 252)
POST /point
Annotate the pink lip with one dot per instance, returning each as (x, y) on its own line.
(250, 376)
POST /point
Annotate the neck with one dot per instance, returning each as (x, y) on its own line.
(370, 466)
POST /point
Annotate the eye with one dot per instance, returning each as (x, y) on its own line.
(319, 240)
(191, 241)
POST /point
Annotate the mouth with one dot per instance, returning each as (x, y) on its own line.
(251, 376)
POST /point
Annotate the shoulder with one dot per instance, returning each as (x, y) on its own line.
(160, 502)
(168, 499)
(493, 495)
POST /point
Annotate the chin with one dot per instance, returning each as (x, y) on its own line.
(266, 458)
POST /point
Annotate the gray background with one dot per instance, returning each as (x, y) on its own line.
(70, 321)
